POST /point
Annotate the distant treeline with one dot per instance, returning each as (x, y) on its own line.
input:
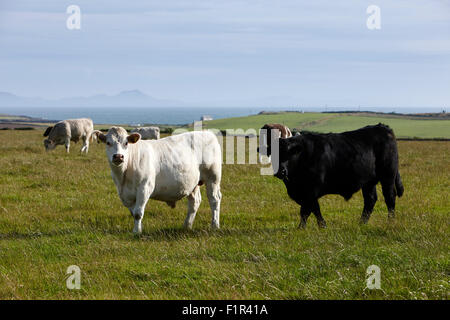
(436, 115)
(28, 119)
(18, 128)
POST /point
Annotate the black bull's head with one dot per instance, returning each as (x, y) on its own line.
(268, 139)
(271, 145)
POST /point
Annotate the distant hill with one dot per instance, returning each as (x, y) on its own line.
(10, 100)
(131, 98)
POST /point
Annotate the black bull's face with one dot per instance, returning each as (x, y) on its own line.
(282, 172)
(280, 156)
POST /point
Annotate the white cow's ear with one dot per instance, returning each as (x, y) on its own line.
(133, 138)
(101, 137)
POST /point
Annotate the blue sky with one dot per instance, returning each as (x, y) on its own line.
(231, 52)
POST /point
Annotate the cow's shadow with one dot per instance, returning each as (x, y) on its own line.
(179, 233)
(160, 234)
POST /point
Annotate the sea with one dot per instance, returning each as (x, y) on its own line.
(172, 115)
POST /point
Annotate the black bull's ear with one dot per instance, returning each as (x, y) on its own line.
(264, 141)
(293, 147)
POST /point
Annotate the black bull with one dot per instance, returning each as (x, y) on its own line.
(312, 165)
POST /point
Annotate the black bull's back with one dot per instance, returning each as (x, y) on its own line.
(313, 165)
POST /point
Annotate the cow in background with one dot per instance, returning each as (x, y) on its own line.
(147, 133)
(94, 136)
(312, 165)
(69, 130)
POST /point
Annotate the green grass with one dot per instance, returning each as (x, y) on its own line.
(58, 210)
(404, 127)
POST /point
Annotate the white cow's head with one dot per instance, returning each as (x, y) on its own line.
(117, 140)
(49, 144)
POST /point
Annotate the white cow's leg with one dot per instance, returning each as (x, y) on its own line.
(85, 147)
(88, 138)
(214, 197)
(194, 200)
(143, 194)
(67, 144)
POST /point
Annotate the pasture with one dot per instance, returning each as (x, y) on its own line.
(403, 125)
(59, 209)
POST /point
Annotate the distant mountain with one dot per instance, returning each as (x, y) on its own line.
(11, 100)
(131, 98)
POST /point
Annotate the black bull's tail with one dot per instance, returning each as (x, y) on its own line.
(399, 185)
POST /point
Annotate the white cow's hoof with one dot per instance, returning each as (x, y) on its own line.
(215, 226)
(137, 227)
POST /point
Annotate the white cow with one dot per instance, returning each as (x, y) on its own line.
(147, 133)
(69, 130)
(166, 170)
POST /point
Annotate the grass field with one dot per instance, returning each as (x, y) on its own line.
(404, 126)
(58, 210)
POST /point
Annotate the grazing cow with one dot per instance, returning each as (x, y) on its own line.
(69, 130)
(167, 170)
(265, 137)
(147, 133)
(312, 165)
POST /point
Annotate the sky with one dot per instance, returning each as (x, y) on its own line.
(231, 52)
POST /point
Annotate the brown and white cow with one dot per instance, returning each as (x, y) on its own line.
(95, 135)
(265, 137)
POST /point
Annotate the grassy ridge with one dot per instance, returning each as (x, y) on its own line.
(58, 210)
(336, 122)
